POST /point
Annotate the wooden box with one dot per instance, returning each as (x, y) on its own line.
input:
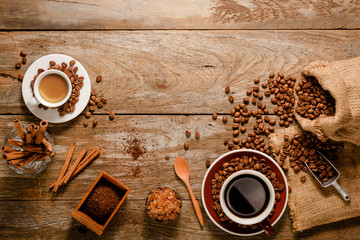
(86, 220)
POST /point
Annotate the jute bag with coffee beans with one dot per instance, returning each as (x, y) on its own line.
(312, 205)
(342, 80)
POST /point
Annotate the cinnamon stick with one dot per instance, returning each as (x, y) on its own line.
(7, 149)
(16, 155)
(41, 133)
(66, 178)
(28, 138)
(19, 129)
(48, 147)
(15, 161)
(91, 156)
(34, 132)
(66, 164)
(29, 160)
(15, 143)
(35, 149)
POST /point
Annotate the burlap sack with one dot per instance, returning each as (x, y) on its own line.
(311, 204)
(342, 80)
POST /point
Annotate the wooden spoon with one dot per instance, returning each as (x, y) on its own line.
(182, 169)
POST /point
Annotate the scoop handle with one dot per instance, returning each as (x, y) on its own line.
(342, 192)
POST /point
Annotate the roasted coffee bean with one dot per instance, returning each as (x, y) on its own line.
(303, 178)
(227, 89)
(100, 104)
(22, 53)
(249, 92)
(188, 133)
(52, 63)
(231, 99)
(197, 135)
(91, 103)
(24, 60)
(272, 75)
(236, 133)
(186, 145)
(88, 114)
(224, 119)
(253, 101)
(20, 77)
(226, 141)
(236, 141)
(246, 100)
(208, 163)
(264, 85)
(72, 62)
(92, 108)
(243, 129)
(111, 115)
(256, 80)
(214, 116)
(18, 65)
(95, 122)
(256, 89)
(98, 79)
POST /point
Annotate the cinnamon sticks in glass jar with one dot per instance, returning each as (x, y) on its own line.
(32, 147)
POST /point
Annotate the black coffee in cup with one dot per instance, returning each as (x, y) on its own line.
(247, 196)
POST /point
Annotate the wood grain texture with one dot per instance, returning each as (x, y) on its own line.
(179, 14)
(51, 220)
(171, 72)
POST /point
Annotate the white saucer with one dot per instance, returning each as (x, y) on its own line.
(52, 115)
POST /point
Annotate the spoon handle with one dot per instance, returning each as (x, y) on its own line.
(196, 205)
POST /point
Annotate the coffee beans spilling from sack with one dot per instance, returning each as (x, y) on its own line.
(281, 91)
(313, 99)
(302, 148)
(238, 164)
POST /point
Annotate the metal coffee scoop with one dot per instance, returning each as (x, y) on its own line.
(332, 180)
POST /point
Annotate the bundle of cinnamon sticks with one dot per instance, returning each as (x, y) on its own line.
(80, 163)
(33, 146)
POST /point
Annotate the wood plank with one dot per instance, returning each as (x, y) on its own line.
(51, 219)
(179, 14)
(163, 71)
(161, 136)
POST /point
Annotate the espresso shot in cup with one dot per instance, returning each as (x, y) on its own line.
(52, 89)
(247, 197)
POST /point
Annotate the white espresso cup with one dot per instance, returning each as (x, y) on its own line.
(261, 218)
(34, 101)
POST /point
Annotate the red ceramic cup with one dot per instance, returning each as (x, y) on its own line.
(208, 203)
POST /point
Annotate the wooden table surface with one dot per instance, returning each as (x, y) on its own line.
(164, 65)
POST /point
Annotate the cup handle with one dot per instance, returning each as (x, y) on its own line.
(268, 229)
(32, 103)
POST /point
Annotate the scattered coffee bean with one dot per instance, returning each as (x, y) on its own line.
(18, 65)
(227, 89)
(188, 133)
(208, 163)
(186, 145)
(88, 114)
(303, 178)
(264, 85)
(95, 122)
(197, 135)
(23, 53)
(214, 116)
(224, 119)
(72, 63)
(52, 63)
(167, 157)
(92, 108)
(256, 80)
(111, 115)
(100, 104)
(98, 79)
(231, 99)
(86, 123)
(246, 100)
(20, 77)
(249, 92)
(226, 141)
(24, 60)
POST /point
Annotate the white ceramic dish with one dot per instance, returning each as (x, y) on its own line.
(52, 115)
